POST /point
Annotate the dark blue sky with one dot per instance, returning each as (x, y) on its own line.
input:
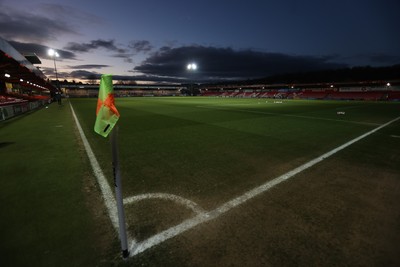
(153, 40)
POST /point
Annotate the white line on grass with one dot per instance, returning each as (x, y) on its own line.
(180, 200)
(288, 115)
(106, 191)
(137, 248)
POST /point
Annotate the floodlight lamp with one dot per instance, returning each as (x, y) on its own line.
(192, 66)
(53, 53)
(388, 84)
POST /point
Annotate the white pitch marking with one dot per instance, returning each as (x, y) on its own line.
(106, 191)
(288, 115)
(136, 248)
(395, 136)
(180, 200)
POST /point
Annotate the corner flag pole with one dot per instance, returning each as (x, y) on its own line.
(107, 117)
(118, 193)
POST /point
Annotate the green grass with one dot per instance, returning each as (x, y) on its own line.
(208, 150)
(198, 148)
(45, 218)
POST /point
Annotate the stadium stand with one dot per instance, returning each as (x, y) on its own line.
(356, 95)
(349, 92)
(309, 94)
(393, 96)
(23, 86)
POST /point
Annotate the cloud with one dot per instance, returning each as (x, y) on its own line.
(125, 56)
(88, 66)
(94, 44)
(68, 13)
(227, 64)
(108, 45)
(371, 59)
(51, 74)
(25, 25)
(84, 75)
(383, 59)
(142, 46)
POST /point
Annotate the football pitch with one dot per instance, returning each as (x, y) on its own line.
(249, 182)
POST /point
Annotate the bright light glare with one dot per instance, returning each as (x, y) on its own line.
(192, 66)
(53, 53)
(388, 84)
(7, 75)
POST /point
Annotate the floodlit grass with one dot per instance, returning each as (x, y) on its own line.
(44, 195)
(210, 150)
(344, 211)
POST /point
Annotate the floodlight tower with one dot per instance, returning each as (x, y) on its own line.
(53, 53)
(191, 67)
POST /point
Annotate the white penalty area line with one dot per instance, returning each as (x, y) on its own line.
(188, 224)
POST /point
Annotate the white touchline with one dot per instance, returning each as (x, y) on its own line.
(137, 248)
(105, 188)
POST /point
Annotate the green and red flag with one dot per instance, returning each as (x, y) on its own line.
(107, 114)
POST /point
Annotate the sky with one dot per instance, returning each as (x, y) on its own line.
(154, 40)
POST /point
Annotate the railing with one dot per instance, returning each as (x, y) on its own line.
(16, 109)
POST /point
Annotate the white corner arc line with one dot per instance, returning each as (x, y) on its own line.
(180, 200)
(136, 248)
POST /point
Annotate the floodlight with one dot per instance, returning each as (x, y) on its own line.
(192, 66)
(53, 53)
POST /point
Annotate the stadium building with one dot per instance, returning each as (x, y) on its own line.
(23, 87)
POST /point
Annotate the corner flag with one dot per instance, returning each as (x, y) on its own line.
(107, 114)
